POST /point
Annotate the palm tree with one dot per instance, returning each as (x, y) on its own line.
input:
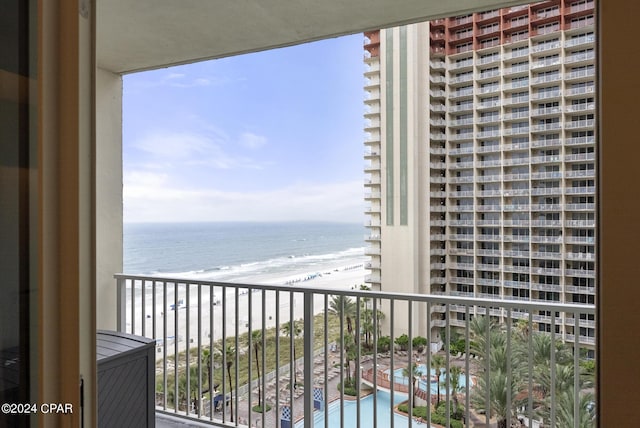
(345, 308)
(412, 373)
(437, 363)
(565, 404)
(256, 342)
(368, 326)
(350, 354)
(478, 327)
(293, 329)
(206, 359)
(454, 380)
(229, 353)
(499, 388)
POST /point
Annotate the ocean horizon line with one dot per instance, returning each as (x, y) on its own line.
(245, 222)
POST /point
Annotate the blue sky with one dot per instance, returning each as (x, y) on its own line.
(274, 135)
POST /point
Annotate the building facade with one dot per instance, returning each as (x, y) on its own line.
(480, 159)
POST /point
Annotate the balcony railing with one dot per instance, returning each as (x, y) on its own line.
(253, 355)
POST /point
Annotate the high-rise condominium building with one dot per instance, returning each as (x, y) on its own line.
(480, 158)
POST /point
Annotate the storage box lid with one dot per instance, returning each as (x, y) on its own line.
(111, 344)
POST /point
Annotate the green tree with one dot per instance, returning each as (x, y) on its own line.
(565, 407)
(437, 364)
(412, 373)
(368, 326)
(384, 344)
(293, 329)
(419, 343)
(402, 341)
(344, 308)
(228, 352)
(454, 380)
(256, 343)
(207, 360)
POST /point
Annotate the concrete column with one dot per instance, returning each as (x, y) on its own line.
(108, 194)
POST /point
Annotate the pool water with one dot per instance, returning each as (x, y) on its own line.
(422, 368)
(383, 414)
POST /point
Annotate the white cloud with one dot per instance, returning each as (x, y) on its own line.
(192, 149)
(149, 200)
(252, 141)
(175, 145)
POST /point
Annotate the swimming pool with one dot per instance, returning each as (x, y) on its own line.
(422, 368)
(383, 414)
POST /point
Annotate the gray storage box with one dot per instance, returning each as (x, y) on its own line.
(126, 384)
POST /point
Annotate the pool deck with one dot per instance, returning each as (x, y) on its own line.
(333, 377)
(400, 359)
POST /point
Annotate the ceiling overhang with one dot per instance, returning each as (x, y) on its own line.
(135, 35)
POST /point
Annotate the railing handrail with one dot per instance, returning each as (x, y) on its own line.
(427, 298)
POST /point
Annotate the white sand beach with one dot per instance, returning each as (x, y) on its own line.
(208, 322)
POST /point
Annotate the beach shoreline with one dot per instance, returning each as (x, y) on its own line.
(207, 324)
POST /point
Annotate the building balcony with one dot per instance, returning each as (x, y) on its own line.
(590, 140)
(545, 47)
(541, 191)
(580, 273)
(580, 173)
(190, 320)
(555, 142)
(587, 39)
(587, 190)
(580, 57)
(581, 256)
(580, 223)
(372, 251)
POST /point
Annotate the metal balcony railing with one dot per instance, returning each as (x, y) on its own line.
(255, 355)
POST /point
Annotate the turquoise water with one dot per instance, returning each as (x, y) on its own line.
(383, 415)
(228, 251)
(422, 368)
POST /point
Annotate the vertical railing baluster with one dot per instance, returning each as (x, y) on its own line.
(428, 363)
(224, 357)
(392, 377)
(375, 362)
(357, 361)
(199, 311)
(342, 360)
(410, 360)
(467, 350)
(263, 357)
(447, 350)
(236, 356)
(133, 306)
(249, 353)
(292, 356)
(176, 339)
(154, 312)
(487, 357)
(121, 309)
(143, 305)
(325, 384)
(509, 371)
(165, 305)
(277, 339)
(210, 367)
(576, 370)
(308, 359)
(530, 361)
(187, 340)
(552, 419)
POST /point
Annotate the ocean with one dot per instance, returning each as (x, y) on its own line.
(241, 252)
